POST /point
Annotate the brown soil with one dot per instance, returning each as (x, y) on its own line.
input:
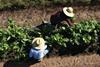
(32, 16)
(71, 61)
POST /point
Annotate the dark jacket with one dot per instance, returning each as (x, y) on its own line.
(59, 17)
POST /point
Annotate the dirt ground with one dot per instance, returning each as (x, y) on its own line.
(34, 16)
(61, 61)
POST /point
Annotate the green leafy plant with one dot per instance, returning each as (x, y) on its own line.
(58, 39)
(14, 42)
(82, 35)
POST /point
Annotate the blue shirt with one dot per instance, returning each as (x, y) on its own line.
(37, 53)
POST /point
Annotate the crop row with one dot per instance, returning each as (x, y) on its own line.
(4, 4)
(15, 41)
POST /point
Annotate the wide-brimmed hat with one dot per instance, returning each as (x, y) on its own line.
(38, 43)
(68, 11)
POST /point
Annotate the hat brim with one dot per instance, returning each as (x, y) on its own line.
(37, 47)
(67, 13)
(42, 47)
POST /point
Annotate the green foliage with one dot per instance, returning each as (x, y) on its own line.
(60, 1)
(26, 3)
(13, 4)
(86, 33)
(86, 30)
(58, 39)
(14, 41)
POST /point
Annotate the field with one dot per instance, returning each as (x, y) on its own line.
(61, 61)
(33, 17)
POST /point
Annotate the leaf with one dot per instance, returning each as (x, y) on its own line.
(1, 49)
(25, 39)
(16, 47)
(5, 46)
(8, 38)
(64, 45)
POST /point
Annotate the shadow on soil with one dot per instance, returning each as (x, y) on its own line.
(20, 63)
(15, 64)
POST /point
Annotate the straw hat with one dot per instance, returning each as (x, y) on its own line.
(38, 43)
(68, 11)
